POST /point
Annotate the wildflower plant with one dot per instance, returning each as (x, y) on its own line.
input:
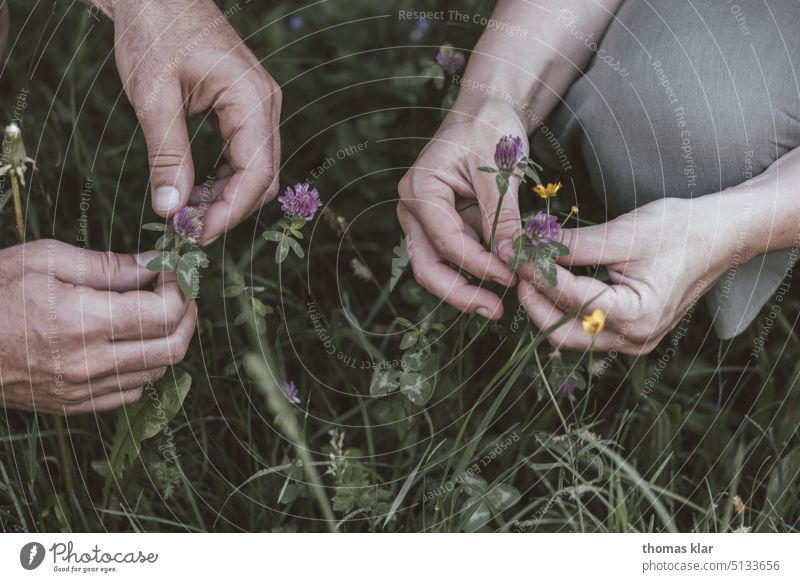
(299, 204)
(179, 251)
(290, 390)
(450, 60)
(538, 241)
(252, 308)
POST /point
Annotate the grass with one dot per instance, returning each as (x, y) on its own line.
(498, 447)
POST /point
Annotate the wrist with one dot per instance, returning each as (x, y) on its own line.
(729, 223)
(495, 109)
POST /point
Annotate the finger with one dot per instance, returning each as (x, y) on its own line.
(595, 245)
(582, 294)
(149, 314)
(94, 269)
(205, 194)
(435, 212)
(246, 124)
(509, 224)
(133, 355)
(112, 383)
(104, 403)
(568, 333)
(169, 151)
(471, 215)
(442, 280)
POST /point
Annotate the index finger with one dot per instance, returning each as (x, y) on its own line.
(250, 129)
(139, 315)
(446, 230)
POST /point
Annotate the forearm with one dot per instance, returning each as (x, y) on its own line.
(767, 207)
(530, 67)
(758, 216)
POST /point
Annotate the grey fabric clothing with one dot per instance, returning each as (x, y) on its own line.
(685, 98)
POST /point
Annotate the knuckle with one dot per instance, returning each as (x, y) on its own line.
(276, 93)
(404, 186)
(133, 396)
(107, 265)
(75, 374)
(158, 374)
(76, 395)
(641, 331)
(178, 351)
(173, 319)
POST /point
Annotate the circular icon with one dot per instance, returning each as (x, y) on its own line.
(31, 555)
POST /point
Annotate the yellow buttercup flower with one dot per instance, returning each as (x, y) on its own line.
(594, 323)
(548, 191)
(575, 210)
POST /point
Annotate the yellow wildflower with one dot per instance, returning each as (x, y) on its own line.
(548, 191)
(594, 323)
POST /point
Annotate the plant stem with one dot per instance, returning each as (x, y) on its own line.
(17, 206)
(496, 217)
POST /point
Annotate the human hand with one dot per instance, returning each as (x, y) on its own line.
(181, 58)
(447, 208)
(661, 258)
(77, 333)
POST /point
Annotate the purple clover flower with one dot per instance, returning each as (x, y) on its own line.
(290, 390)
(451, 60)
(543, 229)
(568, 389)
(508, 153)
(302, 201)
(188, 222)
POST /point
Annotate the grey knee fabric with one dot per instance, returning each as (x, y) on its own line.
(682, 99)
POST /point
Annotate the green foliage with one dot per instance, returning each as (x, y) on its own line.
(420, 392)
(144, 420)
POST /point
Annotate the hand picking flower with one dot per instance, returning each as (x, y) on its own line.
(299, 204)
(179, 252)
(538, 241)
(509, 156)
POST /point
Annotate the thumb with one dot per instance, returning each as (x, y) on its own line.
(101, 270)
(599, 244)
(508, 216)
(168, 151)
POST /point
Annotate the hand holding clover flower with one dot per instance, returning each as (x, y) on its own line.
(538, 241)
(179, 252)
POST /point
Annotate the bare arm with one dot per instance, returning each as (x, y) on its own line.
(525, 60)
(534, 65)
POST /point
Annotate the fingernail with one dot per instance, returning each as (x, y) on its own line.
(143, 258)
(483, 312)
(165, 198)
(501, 246)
